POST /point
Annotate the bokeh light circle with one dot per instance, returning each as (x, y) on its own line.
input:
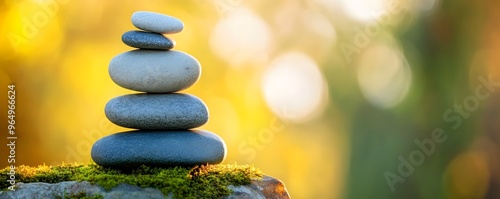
(294, 88)
(466, 184)
(384, 76)
(363, 10)
(241, 38)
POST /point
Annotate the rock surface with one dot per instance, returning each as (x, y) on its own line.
(154, 71)
(156, 22)
(171, 111)
(147, 40)
(159, 148)
(268, 187)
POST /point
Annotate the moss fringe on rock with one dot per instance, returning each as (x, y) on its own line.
(79, 195)
(205, 181)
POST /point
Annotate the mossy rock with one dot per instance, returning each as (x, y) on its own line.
(205, 181)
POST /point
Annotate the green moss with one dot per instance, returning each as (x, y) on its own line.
(205, 181)
(80, 195)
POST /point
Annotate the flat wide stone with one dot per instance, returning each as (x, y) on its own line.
(154, 71)
(171, 111)
(159, 148)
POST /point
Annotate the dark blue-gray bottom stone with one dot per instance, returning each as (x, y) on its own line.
(159, 149)
(147, 40)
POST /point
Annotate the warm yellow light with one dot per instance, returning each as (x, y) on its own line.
(4, 78)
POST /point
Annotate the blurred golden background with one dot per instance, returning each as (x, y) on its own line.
(337, 98)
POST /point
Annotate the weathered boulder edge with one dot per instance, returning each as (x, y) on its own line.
(267, 187)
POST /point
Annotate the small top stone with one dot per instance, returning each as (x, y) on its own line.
(156, 22)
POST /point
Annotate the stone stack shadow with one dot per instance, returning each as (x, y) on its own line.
(162, 117)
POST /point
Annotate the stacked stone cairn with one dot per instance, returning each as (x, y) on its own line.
(163, 118)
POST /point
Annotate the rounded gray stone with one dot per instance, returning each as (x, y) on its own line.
(156, 22)
(154, 71)
(157, 111)
(147, 40)
(159, 148)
